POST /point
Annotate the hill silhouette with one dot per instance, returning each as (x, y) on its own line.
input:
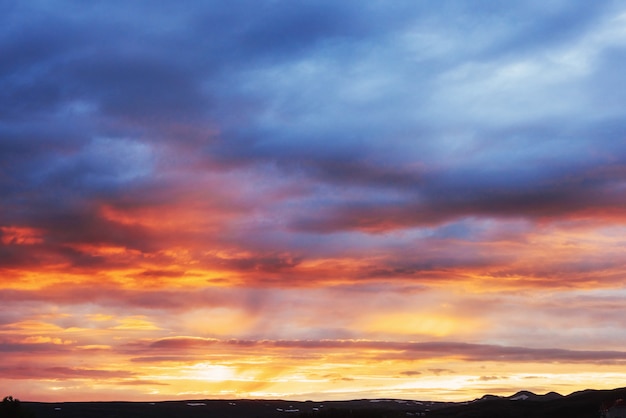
(11, 407)
(583, 404)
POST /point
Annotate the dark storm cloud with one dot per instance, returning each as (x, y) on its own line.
(279, 29)
(134, 85)
(446, 196)
(31, 50)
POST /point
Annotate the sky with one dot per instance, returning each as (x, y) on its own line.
(311, 199)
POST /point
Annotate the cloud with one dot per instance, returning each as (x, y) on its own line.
(489, 378)
(410, 373)
(63, 373)
(301, 173)
(577, 192)
(15, 346)
(412, 350)
(438, 371)
(156, 124)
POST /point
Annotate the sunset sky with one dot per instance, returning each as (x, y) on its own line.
(311, 199)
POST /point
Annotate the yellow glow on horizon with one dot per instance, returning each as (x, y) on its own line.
(210, 372)
(99, 341)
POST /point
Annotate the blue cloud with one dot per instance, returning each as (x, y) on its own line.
(386, 116)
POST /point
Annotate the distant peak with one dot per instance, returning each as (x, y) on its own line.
(522, 395)
(489, 397)
(524, 392)
(528, 395)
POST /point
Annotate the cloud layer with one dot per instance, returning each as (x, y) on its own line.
(435, 186)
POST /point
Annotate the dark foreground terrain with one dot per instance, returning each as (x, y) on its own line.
(585, 404)
(233, 409)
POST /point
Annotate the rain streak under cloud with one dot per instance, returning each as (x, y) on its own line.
(311, 199)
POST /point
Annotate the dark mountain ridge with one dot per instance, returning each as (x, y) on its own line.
(523, 395)
(583, 404)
